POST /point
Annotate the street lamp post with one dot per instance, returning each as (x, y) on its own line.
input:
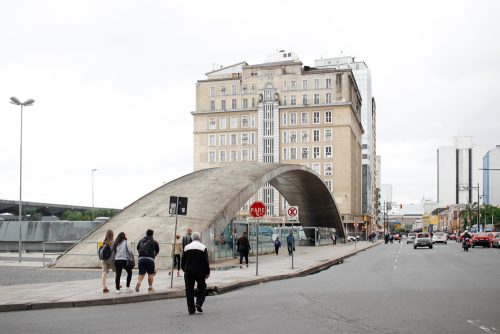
(14, 100)
(93, 170)
(478, 212)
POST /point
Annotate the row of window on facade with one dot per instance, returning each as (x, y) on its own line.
(287, 86)
(287, 118)
(290, 153)
(293, 102)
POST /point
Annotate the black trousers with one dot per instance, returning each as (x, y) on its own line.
(176, 262)
(189, 281)
(243, 254)
(120, 265)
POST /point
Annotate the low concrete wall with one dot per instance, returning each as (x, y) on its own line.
(34, 233)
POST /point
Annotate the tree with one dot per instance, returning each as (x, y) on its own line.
(469, 215)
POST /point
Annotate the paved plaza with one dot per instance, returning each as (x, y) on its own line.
(65, 290)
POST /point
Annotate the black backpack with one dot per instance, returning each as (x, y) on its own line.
(105, 252)
(147, 248)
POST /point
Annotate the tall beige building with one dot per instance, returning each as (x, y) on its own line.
(283, 112)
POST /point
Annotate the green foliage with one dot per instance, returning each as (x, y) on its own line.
(31, 214)
(74, 215)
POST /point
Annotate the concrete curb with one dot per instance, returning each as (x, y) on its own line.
(217, 289)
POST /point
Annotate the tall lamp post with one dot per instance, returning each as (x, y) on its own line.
(93, 170)
(478, 212)
(14, 100)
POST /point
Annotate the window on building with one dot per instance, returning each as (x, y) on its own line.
(285, 154)
(293, 136)
(328, 98)
(253, 88)
(316, 154)
(304, 100)
(223, 90)
(284, 85)
(284, 137)
(252, 155)
(252, 121)
(233, 139)
(234, 122)
(304, 119)
(316, 98)
(212, 105)
(284, 101)
(315, 135)
(292, 85)
(252, 138)
(245, 104)
(233, 104)
(212, 91)
(328, 151)
(244, 138)
(211, 157)
(304, 84)
(283, 118)
(222, 156)
(211, 140)
(234, 156)
(364, 156)
(223, 105)
(222, 122)
(244, 121)
(328, 116)
(293, 153)
(328, 134)
(304, 136)
(293, 118)
(212, 123)
(305, 152)
(316, 118)
(328, 83)
(253, 102)
(245, 89)
(233, 89)
(329, 185)
(328, 169)
(316, 168)
(222, 140)
(316, 83)
(293, 100)
(244, 155)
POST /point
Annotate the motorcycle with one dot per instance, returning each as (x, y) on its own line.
(466, 244)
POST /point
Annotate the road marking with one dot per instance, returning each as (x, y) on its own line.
(477, 324)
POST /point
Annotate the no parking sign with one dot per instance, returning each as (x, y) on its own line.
(293, 213)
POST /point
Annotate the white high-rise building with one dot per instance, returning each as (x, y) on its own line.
(364, 82)
(459, 172)
(491, 177)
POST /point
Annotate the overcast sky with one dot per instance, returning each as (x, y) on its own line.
(114, 84)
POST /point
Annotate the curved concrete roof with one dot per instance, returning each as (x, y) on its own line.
(215, 196)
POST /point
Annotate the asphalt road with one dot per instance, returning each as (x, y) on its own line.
(387, 289)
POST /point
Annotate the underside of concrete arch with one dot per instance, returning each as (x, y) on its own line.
(215, 196)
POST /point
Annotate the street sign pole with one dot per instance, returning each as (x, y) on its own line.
(173, 244)
(257, 260)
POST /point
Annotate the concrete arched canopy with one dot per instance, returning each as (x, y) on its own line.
(215, 196)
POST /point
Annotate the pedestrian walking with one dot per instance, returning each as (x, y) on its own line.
(196, 270)
(290, 242)
(148, 249)
(277, 245)
(243, 247)
(186, 240)
(176, 255)
(334, 238)
(106, 256)
(123, 260)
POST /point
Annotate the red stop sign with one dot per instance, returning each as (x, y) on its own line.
(257, 209)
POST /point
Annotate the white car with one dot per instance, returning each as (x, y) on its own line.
(350, 238)
(439, 237)
(411, 237)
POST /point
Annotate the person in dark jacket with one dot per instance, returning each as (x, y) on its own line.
(290, 242)
(196, 269)
(148, 248)
(243, 247)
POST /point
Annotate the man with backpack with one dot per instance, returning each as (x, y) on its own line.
(148, 248)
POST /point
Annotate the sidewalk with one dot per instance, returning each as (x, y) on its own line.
(225, 276)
